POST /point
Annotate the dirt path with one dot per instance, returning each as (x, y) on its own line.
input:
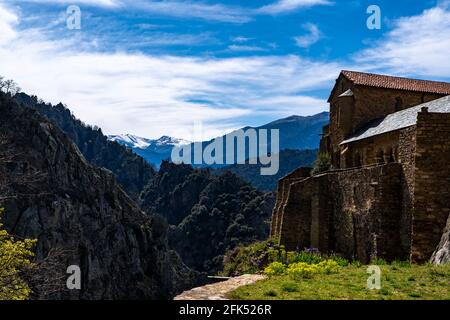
(217, 291)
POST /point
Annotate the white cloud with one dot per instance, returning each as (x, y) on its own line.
(417, 45)
(283, 6)
(152, 95)
(240, 39)
(180, 9)
(243, 48)
(8, 20)
(189, 9)
(97, 3)
(309, 39)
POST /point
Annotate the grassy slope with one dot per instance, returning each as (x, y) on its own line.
(399, 282)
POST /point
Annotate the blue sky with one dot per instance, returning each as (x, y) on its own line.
(161, 67)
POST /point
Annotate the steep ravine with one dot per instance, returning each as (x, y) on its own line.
(51, 193)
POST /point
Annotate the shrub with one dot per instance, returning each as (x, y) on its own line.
(322, 163)
(356, 263)
(308, 257)
(340, 261)
(275, 269)
(303, 270)
(14, 260)
(253, 258)
(329, 266)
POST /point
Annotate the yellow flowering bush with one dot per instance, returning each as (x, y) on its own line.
(15, 256)
(329, 266)
(301, 270)
(275, 269)
(304, 270)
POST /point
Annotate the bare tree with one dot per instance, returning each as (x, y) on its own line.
(11, 87)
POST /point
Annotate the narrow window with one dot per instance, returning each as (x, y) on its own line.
(398, 104)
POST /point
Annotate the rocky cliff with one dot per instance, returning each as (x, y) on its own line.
(130, 170)
(51, 193)
(442, 253)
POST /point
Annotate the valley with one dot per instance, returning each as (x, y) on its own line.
(181, 206)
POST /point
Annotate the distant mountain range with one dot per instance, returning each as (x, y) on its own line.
(296, 133)
(152, 150)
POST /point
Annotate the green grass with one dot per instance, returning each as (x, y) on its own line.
(399, 281)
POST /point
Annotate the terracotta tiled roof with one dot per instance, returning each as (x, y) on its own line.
(389, 82)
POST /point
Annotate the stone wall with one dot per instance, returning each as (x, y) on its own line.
(374, 150)
(432, 183)
(372, 103)
(282, 194)
(356, 213)
(406, 157)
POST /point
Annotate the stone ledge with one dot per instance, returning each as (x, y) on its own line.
(218, 291)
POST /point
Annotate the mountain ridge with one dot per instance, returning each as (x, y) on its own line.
(130, 169)
(296, 133)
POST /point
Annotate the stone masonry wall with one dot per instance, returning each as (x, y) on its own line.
(432, 183)
(406, 157)
(372, 103)
(355, 213)
(282, 193)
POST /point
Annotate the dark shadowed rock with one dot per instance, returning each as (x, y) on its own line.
(51, 193)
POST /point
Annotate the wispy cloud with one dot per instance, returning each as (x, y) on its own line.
(189, 9)
(7, 22)
(152, 95)
(240, 39)
(162, 39)
(416, 45)
(284, 6)
(310, 38)
(97, 3)
(244, 48)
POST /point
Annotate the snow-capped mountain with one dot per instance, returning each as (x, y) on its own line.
(131, 141)
(152, 150)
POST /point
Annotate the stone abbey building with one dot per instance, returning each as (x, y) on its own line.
(388, 192)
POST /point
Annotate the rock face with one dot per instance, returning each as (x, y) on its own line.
(442, 253)
(130, 170)
(51, 193)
